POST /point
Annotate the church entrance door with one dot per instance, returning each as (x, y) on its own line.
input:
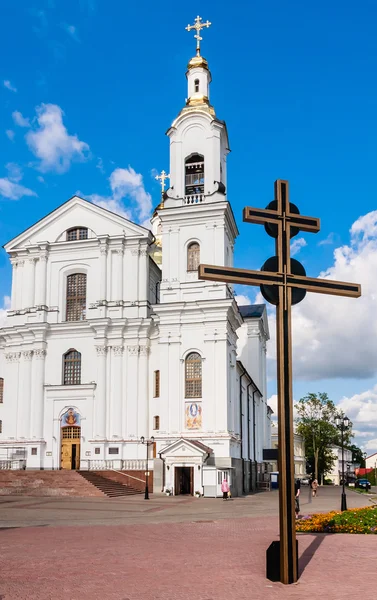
(70, 448)
(184, 480)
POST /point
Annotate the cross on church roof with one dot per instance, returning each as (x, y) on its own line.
(161, 178)
(198, 26)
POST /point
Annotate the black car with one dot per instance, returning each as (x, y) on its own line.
(363, 483)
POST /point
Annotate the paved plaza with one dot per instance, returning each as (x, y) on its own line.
(171, 549)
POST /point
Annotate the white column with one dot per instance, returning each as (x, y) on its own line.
(29, 282)
(14, 284)
(117, 275)
(144, 275)
(24, 399)
(40, 280)
(19, 295)
(11, 391)
(116, 391)
(37, 393)
(142, 397)
(132, 392)
(100, 399)
(103, 273)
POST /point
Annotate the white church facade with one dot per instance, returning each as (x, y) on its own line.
(112, 338)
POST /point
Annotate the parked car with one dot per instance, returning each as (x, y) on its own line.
(363, 483)
(305, 480)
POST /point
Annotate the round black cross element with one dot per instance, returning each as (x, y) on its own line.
(271, 292)
(272, 228)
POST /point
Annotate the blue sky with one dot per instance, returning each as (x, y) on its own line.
(297, 87)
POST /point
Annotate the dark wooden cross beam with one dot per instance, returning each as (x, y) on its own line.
(283, 282)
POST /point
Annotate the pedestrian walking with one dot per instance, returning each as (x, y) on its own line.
(225, 489)
(297, 497)
(314, 487)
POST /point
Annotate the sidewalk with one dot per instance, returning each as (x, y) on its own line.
(208, 560)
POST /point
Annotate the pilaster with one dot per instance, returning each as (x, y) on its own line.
(100, 394)
(37, 393)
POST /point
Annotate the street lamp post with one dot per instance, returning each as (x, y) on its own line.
(147, 444)
(365, 467)
(342, 424)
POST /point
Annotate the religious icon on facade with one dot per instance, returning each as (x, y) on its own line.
(193, 415)
(70, 418)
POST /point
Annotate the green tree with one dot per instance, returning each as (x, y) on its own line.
(357, 454)
(316, 423)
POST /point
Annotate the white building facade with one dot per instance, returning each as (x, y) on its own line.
(340, 466)
(111, 336)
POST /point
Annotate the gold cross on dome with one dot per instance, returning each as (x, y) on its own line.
(198, 26)
(161, 178)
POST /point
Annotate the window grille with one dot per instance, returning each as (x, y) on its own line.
(193, 257)
(76, 297)
(77, 233)
(193, 375)
(72, 368)
(194, 175)
(157, 384)
(71, 433)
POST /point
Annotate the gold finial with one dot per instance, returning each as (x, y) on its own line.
(161, 178)
(198, 26)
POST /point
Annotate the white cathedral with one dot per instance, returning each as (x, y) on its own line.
(113, 349)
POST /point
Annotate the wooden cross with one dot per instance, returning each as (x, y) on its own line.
(198, 26)
(161, 178)
(283, 282)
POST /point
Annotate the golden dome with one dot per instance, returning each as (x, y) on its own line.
(198, 61)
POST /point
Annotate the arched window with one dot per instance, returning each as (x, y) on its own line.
(194, 175)
(77, 233)
(72, 367)
(76, 297)
(156, 422)
(1, 390)
(193, 375)
(196, 84)
(193, 256)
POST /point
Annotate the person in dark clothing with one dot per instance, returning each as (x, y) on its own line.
(297, 497)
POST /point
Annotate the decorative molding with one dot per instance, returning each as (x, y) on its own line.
(135, 251)
(103, 249)
(43, 257)
(40, 353)
(13, 357)
(144, 350)
(119, 251)
(31, 260)
(118, 350)
(133, 350)
(101, 350)
(20, 263)
(27, 354)
(143, 252)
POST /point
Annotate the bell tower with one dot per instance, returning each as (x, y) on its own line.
(195, 219)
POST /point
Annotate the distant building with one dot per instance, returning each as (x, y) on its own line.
(299, 454)
(337, 469)
(371, 461)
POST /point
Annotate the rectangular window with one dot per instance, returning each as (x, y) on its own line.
(157, 384)
(113, 450)
(1, 390)
(34, 451)
(97, 450)
(76, 297)
(1, 427)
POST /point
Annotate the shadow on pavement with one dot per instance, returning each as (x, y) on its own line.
(308, 554)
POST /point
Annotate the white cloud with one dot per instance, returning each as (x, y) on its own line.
(99, 165)
(328, 241)
(10, 187)
(14, 172)
(50, 141)
(272, 401)
(10, 134)
(371, 445)
(3, 310)
(242, 300)
(332, 336)
(361, 409)
(71, 30)
(7, 84)
(19, 119)
(13, 191)
(127, 185)
(296, 246)
(40, 179)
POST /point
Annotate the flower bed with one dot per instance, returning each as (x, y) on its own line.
(357, 520)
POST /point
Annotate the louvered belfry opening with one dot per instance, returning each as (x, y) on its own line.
(194, 175)
(76, 297)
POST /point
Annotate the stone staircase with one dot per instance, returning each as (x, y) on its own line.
(46, 483)
(109, 487)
